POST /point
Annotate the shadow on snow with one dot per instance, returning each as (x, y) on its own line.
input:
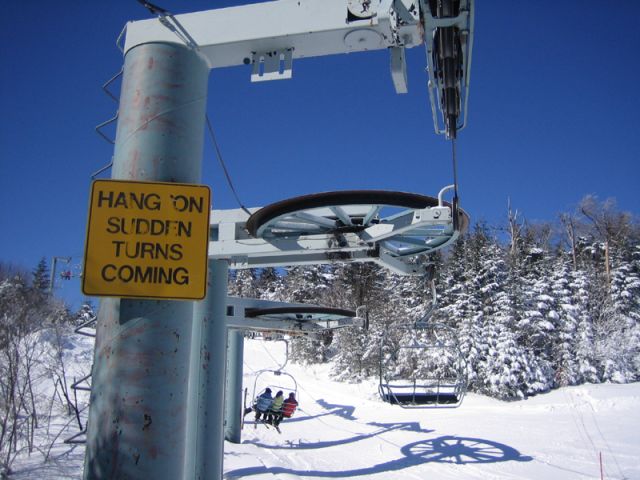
(444, 449)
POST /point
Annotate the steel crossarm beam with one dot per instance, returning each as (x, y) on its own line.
(237, 319)
(300, 28)
(231, 242)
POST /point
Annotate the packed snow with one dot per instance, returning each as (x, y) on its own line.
(345, 431)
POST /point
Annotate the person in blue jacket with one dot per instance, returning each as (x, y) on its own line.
(263, 405)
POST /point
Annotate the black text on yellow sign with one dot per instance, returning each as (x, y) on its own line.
(147, 240)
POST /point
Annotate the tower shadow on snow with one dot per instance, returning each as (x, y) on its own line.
(444, 449)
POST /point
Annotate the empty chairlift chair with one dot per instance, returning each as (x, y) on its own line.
(421, 366)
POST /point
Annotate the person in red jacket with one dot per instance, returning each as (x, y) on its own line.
(288, 407)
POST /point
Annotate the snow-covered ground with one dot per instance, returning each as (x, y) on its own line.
(345, 431)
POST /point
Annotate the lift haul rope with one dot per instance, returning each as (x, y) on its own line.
(224, 166)
(454, 161)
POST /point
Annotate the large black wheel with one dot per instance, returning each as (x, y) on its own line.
(350, 211)
(309, 313)
(330, 212)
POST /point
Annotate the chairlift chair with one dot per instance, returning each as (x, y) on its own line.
(275, 379)
(440, 380)
(284, 381)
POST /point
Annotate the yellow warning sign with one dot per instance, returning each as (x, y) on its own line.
(147, 240)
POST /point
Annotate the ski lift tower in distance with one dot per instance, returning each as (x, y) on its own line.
(142, 414)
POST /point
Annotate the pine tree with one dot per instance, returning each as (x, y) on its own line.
(585, 349)
(243, 283)
(505, 369)
(356, 351)
(270, 285)
(459, 307)
(538, 317)
(40, 277)
(309, 284)
(564, 347)
(621, 314)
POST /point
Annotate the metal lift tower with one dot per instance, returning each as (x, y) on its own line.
(158, 385)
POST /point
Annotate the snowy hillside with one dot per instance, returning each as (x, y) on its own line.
(345, 431)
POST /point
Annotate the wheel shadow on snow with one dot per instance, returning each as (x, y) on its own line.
(444, 449)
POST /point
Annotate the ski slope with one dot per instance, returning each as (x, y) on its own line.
(345, 431)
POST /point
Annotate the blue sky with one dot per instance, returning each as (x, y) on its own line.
(552, 118)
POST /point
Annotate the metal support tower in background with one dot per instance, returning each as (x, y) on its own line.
(204, 442)
(54, 263)
(139, 392)
(233, 406)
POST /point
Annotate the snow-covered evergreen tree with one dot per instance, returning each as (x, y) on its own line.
(309, 284)
(458, 306)
(565, 364)
(539, 317)
(621, 319)
(504, 369)
(40, 277)
(585, 349)
(243, 283)
(270, 284)
(356, 351)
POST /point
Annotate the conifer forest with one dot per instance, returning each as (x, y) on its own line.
(533, 306)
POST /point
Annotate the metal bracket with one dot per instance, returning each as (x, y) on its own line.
(78, 384)
(105, 86)
(104, 124)
(172, 24)
(88, 325)
(102, 169)
(273, 65)
(398, 69)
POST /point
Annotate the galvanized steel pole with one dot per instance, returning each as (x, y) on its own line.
(139, 395)
(233, 410)
(205, 434)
